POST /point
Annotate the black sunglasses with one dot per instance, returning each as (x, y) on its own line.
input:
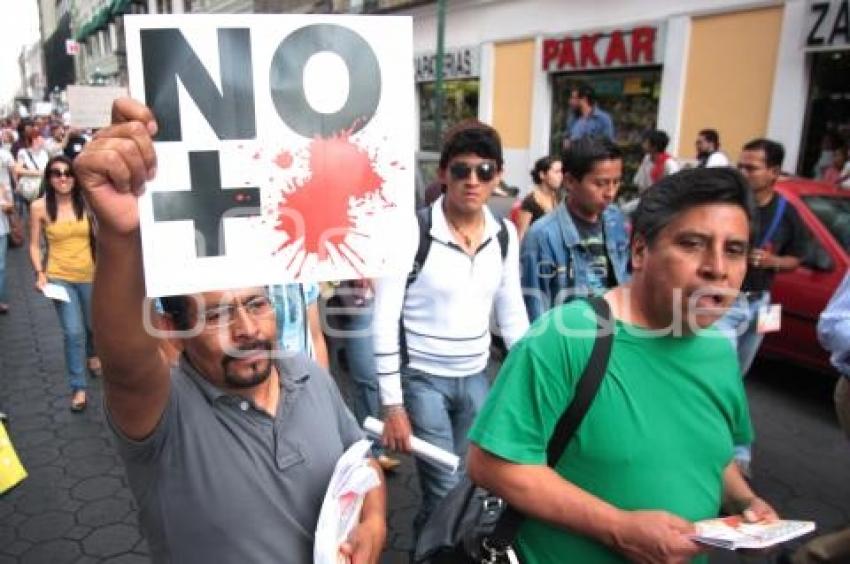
(485, 171)
(56, 173)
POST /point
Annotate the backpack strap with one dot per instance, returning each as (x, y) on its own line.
(502, 237)
(781, 204)
(423, 218)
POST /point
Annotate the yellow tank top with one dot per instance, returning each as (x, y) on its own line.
(69, 251)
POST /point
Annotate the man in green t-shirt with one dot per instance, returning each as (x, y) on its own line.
(654, 452)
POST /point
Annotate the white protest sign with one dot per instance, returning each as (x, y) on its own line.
(91, 106)
(284, 151)
(42, 108)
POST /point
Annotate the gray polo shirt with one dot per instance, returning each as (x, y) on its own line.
(221, 481)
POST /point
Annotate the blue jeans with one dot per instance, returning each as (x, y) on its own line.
(441, 412)
(4, 244)
(75, 319)
(360, 354)
(739, 325)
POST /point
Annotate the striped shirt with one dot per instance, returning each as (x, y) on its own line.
(447, 310)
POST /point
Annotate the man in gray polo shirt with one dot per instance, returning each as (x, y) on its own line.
(230, 453)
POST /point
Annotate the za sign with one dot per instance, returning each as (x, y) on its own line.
(284, 150)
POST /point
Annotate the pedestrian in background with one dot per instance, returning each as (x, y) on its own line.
(60, 217)
(582, 247)
(708, 149)
(657, 162)
(586, 118)
(32, 160)
(548, 177)
(7, 206)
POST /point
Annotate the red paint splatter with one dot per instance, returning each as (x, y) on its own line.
(318, 208)
(283, 159)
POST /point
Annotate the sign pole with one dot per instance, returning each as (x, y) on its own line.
(438, 85)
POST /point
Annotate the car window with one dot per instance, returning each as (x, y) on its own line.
(834, 213)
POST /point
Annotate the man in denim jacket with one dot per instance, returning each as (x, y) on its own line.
(581, 247)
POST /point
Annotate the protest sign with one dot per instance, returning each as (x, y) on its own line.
(91, 106)
(284, 150)
(42, 108)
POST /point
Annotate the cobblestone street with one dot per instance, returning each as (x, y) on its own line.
(75, 506)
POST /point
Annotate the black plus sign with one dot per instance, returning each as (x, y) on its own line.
(206, 204)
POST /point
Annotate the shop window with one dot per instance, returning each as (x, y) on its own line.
(460, 102)
(629, 96)
(828, 108)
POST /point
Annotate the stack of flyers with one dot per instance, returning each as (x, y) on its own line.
(733, 533)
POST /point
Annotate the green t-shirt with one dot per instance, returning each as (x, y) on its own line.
(657, 437)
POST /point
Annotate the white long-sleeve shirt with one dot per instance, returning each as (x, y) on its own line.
(447, 309)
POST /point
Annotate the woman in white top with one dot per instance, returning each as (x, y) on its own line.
(32, 157)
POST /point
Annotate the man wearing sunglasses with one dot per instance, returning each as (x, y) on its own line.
(229, 453)
(581, 247)
(431, 333)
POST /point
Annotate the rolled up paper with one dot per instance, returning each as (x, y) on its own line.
(426, 451)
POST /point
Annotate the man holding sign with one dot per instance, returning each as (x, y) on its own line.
(229, 453)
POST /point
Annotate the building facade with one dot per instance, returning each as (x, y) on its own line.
(742, 67)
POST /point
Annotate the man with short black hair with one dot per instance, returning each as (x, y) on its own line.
(586, 118)
(780, 242)
(432, 327)
(708, 149)
(581, 247)
(654, 452)
(779, 245)
(229, 454)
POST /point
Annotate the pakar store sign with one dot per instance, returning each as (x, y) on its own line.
(635, 47)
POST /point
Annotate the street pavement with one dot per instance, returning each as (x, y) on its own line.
(75, 505)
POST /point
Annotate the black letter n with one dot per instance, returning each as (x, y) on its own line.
(167, 55)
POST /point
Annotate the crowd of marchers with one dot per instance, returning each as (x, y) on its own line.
(229, 445)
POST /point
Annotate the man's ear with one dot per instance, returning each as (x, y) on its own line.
(639, 248)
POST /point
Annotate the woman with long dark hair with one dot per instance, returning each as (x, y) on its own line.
(547, 175)
(60, 216)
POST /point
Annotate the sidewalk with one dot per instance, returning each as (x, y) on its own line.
(75, 505)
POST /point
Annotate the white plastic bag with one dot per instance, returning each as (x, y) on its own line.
(352, 479)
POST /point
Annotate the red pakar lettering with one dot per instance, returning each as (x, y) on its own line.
(592, 51)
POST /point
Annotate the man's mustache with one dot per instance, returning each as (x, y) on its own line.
(262, 345)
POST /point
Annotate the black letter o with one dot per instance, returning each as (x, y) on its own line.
(287, 72)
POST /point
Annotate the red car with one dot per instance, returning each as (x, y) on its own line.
(804, 293)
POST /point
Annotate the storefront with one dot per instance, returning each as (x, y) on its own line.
(828, 103)
(461, 90)
(623, 66)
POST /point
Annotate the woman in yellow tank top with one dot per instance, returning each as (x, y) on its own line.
(60, 216)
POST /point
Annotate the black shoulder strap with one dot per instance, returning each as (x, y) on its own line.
(423, 218)
(591, 379)
(502, 237)
(594, 372)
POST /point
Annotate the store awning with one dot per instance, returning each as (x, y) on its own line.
(101, 18)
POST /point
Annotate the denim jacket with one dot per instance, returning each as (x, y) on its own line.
(553, 265)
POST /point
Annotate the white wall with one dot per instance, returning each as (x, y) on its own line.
(790, 85)
(472, 22)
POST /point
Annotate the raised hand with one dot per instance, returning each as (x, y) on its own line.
(114, 166)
